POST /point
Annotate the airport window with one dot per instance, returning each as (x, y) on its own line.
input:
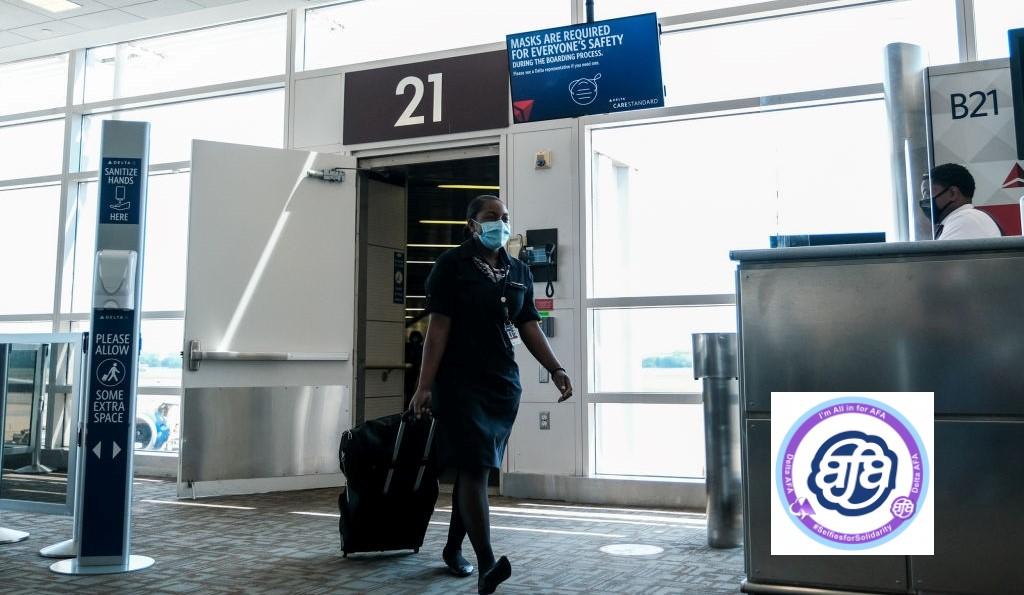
(669, 201)
(159, 383)
(649, 350)
(235, 52)
(992, 19)
(818, 50)
(25, 327)
(28, 239)
(249, 119)
(31, 85)
(650, 440)
(160, 361)
(31, 150)
(367, 30)
(163, 286)
(157, 422)
(688, 192)
(610, 9)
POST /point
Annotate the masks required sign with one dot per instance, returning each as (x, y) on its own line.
(593, 68)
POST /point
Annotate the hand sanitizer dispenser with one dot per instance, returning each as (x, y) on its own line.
(115, 280)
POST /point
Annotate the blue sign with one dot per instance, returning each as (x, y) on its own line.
(108, 426)
(120, 188)
(399, 297)
(593, 68)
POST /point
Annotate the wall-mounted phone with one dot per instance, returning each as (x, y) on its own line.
(541, 254)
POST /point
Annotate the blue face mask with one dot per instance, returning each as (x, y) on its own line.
(494, 234)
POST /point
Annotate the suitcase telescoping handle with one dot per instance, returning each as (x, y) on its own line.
(426, 455)
(398, 447)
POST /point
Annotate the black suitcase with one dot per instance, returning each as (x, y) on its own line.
(391, 484)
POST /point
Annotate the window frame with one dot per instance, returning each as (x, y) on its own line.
(590, 305)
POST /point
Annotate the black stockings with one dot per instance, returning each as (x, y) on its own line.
(471, 515)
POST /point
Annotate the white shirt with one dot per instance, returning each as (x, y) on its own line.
(968, 223)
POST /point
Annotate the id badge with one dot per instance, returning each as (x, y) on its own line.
(513, 334)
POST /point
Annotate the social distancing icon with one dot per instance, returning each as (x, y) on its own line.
(110, 372)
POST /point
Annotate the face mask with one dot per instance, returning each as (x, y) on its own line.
(494, 234)
(926, 205)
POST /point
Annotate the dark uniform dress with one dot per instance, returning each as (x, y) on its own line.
(476, 391)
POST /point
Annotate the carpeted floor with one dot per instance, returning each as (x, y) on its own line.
(288, 543)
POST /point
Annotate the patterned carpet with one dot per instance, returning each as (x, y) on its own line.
(288, 543)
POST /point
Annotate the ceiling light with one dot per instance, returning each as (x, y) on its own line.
(54, 5)
(467, 187)
(441, 222)
(414, 309)
(419, 262)
(432, 245)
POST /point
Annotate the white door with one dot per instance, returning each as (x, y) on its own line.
(269, 320)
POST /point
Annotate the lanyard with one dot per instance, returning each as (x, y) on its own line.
(503, 293)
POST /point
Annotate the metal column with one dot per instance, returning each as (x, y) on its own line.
(906, 105)
(715, 362)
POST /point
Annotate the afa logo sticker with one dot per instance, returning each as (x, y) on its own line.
(852, 473)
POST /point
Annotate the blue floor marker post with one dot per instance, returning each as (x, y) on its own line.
(103, 506)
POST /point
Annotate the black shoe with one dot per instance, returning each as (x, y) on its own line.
(456, 564)
(498, 574)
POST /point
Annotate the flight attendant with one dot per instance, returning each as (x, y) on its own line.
(481, 306)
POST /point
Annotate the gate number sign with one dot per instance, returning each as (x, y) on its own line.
(428, 98)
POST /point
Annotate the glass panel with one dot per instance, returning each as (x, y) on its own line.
(160, 361)
(248, 119)
(650, 350)
(31, 150)
(235, 52)
(367, 30)
(32, 85)
(650, 440)
(820, 50)
(28, 239)
(163, 283)
(609, 9)
(25, 477)
(730, 183)
(25, 327)
(21, 385)
(158, 423)
(992, 19)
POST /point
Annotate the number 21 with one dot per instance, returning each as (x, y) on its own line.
(407, 118)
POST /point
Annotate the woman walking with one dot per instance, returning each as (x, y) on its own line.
(481, 306)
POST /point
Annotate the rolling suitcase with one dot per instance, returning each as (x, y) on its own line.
(392, 484)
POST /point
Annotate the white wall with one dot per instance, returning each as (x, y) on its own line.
(543, 199)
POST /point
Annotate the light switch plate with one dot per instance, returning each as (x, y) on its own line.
(545, 420)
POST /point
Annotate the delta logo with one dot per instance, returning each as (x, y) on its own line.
(521, 110)
(1015, 179)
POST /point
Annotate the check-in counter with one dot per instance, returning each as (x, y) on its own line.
(942, 317)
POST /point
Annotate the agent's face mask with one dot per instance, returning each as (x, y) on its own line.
(494, 234)
(926, 202)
